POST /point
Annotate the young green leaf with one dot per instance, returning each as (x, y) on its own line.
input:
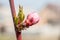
(21, 15)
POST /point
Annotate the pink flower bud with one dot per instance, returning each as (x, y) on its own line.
(32, 18)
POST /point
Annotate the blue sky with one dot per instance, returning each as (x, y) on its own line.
(35, 4)
(30, 4)
(26, 3)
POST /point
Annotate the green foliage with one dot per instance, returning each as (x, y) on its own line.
(16, 20)
(21, 15)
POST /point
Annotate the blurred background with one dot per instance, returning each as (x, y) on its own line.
(46, 29)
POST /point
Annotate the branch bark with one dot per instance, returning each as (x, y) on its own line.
(18, 34)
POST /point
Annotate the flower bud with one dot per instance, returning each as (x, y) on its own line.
(32, 19)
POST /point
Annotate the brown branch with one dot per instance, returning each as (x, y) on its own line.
(18, 34)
